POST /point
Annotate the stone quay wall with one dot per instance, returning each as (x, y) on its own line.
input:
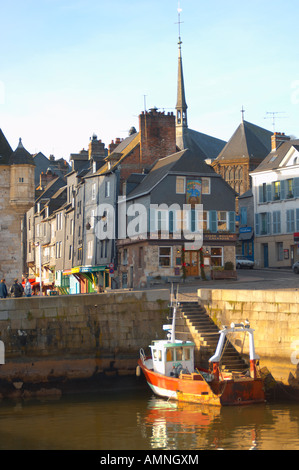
(57, 343)
(274, 315)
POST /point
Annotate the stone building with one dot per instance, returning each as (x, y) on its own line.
(16, 197)
(161, 250)
(246, 149)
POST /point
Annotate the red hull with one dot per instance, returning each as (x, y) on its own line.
(193, 388)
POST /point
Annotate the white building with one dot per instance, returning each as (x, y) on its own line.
(275, 185)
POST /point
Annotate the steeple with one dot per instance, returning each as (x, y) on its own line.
(181, 106)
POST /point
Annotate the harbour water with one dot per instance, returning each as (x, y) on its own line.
(139, 421)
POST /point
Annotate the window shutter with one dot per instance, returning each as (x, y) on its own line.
(269, 192)
(268, 222)
(213, 221)
(232, 221)
(296, 187)
(257, 224)
(283, 189)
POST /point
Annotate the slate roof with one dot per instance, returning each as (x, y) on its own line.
(274, 158)
(5, 150)
(180, 163)
(248, 141)
(21, 157)
(204, 145)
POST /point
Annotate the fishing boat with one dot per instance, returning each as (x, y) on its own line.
(170, 371)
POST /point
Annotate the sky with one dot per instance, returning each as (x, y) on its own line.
(73, 68)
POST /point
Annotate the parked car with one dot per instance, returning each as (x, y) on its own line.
(296, 267)
(243, 262)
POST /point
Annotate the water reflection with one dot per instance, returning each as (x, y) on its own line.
(171, 426)
(140, 421)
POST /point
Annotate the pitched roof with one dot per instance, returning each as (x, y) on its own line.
(119, 153)
(179, 163)
(5, 150)
(248, 141)
(204, 145)
(20, 156)
(274, 158)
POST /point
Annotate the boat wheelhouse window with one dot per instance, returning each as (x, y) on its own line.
(179, 354)
(170, 355)
(157, 355)
(187, 355)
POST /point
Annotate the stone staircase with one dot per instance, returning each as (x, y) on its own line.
(206, 335)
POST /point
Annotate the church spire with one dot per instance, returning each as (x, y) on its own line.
(181, 106)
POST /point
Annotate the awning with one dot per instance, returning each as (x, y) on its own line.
(84, 270)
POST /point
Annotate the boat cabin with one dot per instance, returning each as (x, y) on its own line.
(172, 358)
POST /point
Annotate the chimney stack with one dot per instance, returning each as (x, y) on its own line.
(277, 139)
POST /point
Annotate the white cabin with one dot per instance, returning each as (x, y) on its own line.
(172, 358)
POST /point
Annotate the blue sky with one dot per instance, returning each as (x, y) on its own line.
(72, 68)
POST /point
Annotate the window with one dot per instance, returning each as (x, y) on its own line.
(276, 222)
(165, 256)
(59, 221)
(180, 185)
(276, 190)
(93, 191)
(140, 257)
(70, 252)
(89, 249)
(170, 355)
(125, 257)
(222, 221)
(58, 250)
(279, 251)
(21, 180)
(205, 221)
(107, 188)
(290, 189)
(206, 185)
(216, 256)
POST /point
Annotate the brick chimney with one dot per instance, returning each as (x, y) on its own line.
(277, 139)
(157, 136)
(96, 149)
(113, 145)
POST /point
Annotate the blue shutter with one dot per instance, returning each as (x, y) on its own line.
(153, 222)
(261, 194)
(213, 221)
(232, 222)
(296, 187)
(257, 224)
(269, 192)
(268, 223)
(297, 220)
(283, 189)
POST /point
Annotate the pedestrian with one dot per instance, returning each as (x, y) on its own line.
(28, 288)
(3, 289)
(16, 289)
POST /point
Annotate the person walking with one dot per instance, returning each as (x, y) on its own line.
(3, 289)
(28, 288)
(16, 289)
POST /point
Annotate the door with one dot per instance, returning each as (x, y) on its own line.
(266, 255)
(192, 262)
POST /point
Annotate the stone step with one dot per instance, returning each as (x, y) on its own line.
(209, 335)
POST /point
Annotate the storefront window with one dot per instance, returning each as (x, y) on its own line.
(164, 256)
(216, 256)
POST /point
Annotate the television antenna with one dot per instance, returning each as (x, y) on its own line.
(274, 116)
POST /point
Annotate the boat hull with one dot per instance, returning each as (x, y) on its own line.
(193, 388)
